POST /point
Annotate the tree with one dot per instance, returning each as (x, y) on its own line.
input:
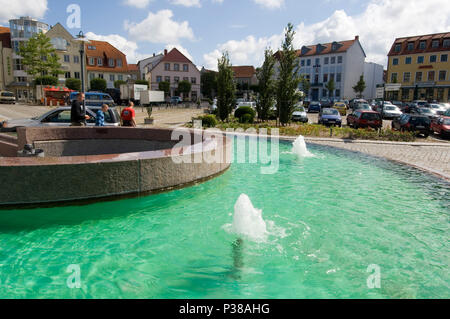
(74, 84)
(330, 86)
(39, 56)
(164, 86)
(46, 80)
(360, 87)
(184, 87)
(288, 79)
(306, 85)
(98, 84)
(118, 83)
(209, 84)
(266, 97)
(226, 88)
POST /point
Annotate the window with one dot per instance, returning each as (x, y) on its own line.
(158, 79)
(77, 75)
(176, 67)
(442, 75)
(333, 60)
(112, 77)
(338, 93)
(398, 48)
(433, 58)
(176, 79)
(100, 76)
(194, 80)
(167, 66)
(338, 77)
(76, 59)
(111, 62)
(418, 76)
(393, 77)
(120, 77)
(308, 62)
(410, 46)
(91, 76)
(67, 58)
(435, 44)
(325, 78)
(99, 61)
(91, 47)
(185, 67)
(317, 61)
(119, 63)
(326, 61)
(302, 62)
(340, 59)
(407, 77)
(420, 59)
(408, 60)
(395, 61)
(431, 75)
(17, 65)
(67, 75)
(423, 45)
(444, 57)
(91, 61)
(167, 79)
(447, 43)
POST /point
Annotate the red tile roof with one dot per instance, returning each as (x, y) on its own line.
(244, 71)
(5, 37)
(104, 50)
(175, 56)
(133, 68)
(4, 30)
(428, 38)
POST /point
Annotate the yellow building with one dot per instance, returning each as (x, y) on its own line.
(421, 64)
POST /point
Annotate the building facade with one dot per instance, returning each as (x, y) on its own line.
(341, 61)
(146, 65)
(373, 76)
(174, 67)
(245, 75)
(6, 71)
(68, 50)
(421, 65)
(133, 72)
(106, 62)
(21, 31)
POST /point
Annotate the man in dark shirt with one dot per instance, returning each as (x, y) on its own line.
(77, 113)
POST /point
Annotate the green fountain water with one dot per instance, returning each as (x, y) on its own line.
(327, 218)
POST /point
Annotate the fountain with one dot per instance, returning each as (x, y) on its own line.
(299, 148)
(248, 221)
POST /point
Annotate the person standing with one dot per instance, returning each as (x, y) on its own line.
(100, 120)
(129, 116)
(77, 113)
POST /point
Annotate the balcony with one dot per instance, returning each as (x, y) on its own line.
(316, 85)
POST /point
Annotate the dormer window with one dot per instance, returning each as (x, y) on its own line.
(99, 61)
(111, 63)
(435, 44)
(91, 47)
(447, 43)
(398, 48)
(410, 46)
(305, 50)
(423, 45)
(119, 63)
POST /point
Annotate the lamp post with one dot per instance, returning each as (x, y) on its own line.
(83, 40)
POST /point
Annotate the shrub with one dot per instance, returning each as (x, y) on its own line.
(98, 84)
(118, 83)
(247, 119)
(142, 82)
(208, 120)
(244, 110)
(74, 84)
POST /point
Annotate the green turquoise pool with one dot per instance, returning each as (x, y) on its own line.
(329, 218)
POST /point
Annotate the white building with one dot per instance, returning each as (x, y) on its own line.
(342, 61)
(148, 64)
(373, 76)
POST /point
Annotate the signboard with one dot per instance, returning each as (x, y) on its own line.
(392, 87)
(380, 93)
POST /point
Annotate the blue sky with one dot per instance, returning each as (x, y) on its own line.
(203, 29)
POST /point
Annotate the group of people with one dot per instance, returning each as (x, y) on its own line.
(78, 116)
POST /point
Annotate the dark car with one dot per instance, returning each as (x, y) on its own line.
(314, 107)
(94, 98)
(430, 113)
(441, 126)
(326, 103)
(115, 95)
(412, 123)
(365, 119)
(330, 117)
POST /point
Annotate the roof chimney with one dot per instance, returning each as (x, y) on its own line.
(154, 54)
(165, 52)
(357, 38)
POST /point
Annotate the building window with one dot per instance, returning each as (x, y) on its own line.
(91, 61)
(410, 46)
(394, 78)
(111, 62)
(120, 77)
(398, 48)
(308, 62)
(395, 61)
(442, 75)
(338, 93)
(317, 61)
(77, 75)
(423, 45)
(433, 58)
(176, 67)
(338, 77)
(167, 67)
(431, 76)
(99, 61)
(17, 65)
(119, 63)
(186, 67)
(326, 61)
(302, 62)
(176, 79)
(76, 59)
(325, 78)
(406, 77)
(408, 60)
(444, 57)
(158, 79)
(67, 58)
(447, 43)
(435, 44)
(167, 79)
(112, 77)
(340, 59)
(333, 60)
(100, 76)
(194, 80)
(418, 76)
(67, 75)
(91, 47)
(91, 76)
(420, 59)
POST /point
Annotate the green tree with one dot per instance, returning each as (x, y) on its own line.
(164, 86)
(209, 84)
(306, 85)
(330, 86)
(74, 84)
(39, 56)
(98, 84)
(46, 80)
(118, 83)
(226, 89)
(288, 79)
(360, 87)
(142, 82)
(266, 97)
(184, 87)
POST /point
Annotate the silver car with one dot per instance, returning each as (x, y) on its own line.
(391, 112)
(59, 117)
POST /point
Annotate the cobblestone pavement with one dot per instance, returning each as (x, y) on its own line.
(434, 158)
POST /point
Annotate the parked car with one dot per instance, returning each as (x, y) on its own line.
(176, 100)
(413, 123)
(441, 126)
(391, 111)
(300, 115)
(314, 107)
(420, 103)
(439, 109)
(60, 117)
(341, 107)
(7, 97)
(355, 102)
(447, 113)
(94, 98)
(365, 119)
(408, 106)
(330, 117)
(446, 105)
(430, 113)
(326, 102)
(362, 107)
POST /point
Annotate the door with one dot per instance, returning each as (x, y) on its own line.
(315, 94)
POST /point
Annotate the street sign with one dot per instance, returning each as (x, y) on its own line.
(380, 93)
(392, 87)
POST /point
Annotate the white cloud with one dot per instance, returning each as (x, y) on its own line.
(159, 28)
(141, 4)
(129, 48)
(15, 9)
(378, 26)
(270, 4)
(187, 3)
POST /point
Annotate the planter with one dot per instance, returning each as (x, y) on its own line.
(149, 121)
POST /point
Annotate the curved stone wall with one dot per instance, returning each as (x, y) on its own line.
(84, 176)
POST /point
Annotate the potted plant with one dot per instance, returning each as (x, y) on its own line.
(149, 120)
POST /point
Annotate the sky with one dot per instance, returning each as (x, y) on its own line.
(204, 29)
